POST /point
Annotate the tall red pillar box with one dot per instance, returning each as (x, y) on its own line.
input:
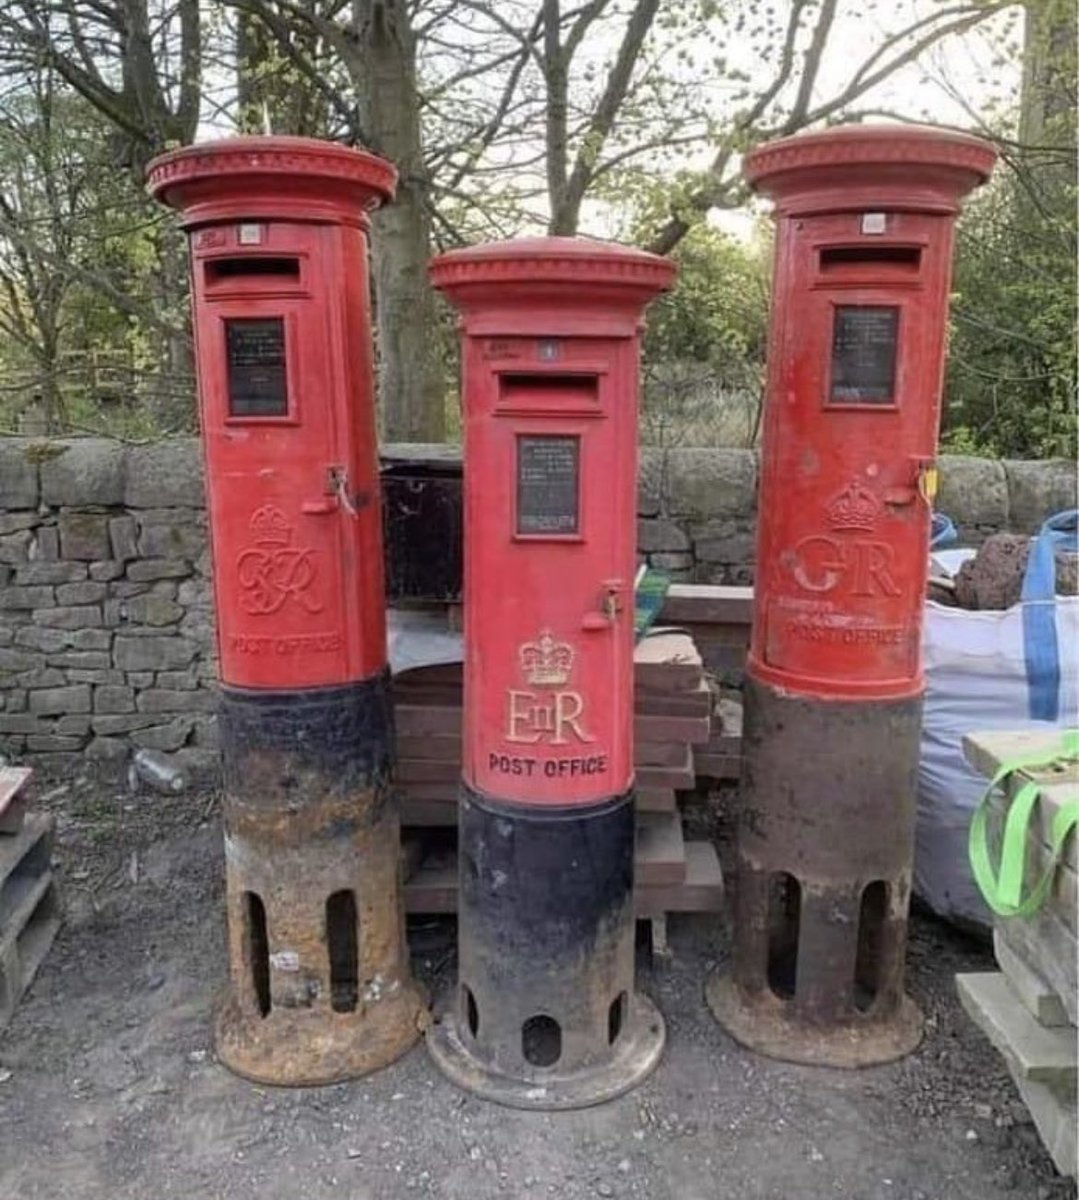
(278, 227)
(545, 1014)
(865, 220)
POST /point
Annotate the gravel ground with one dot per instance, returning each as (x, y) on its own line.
(109, 1089)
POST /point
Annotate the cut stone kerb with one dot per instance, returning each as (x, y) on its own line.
(914, 168)
(273, 178)
(552, 286)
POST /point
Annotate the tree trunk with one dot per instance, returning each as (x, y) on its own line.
(411, 382)
(253, 49)
(1046, 159)
(1047, 90)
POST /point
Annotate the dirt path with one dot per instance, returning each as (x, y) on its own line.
(113, 1092)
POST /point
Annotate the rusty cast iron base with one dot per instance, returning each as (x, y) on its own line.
(320, 983)
(768, 1029)
(824, 855)
(301, 1048)
(545, 1015)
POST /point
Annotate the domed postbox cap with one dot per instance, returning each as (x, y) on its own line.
(913, 167)
(578, 275)
(283, 178)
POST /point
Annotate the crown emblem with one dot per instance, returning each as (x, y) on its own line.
(545, 662)
(270, 527)
(854, 508)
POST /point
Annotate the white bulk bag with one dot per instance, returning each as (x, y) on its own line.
(976, 679)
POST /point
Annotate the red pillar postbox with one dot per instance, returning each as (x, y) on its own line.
(545, 1013)
(278, 229)
(865, 218)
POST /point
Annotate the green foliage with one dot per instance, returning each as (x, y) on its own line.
(1011, 384)
(718, 313)
(705, 342)
(80, 263)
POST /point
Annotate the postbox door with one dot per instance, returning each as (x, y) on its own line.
(278, 458)
(549, 720)
(852, 435)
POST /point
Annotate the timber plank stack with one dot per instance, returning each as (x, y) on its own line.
(673, 707)
(29, 906)
(1028, 1009)
(717, 617)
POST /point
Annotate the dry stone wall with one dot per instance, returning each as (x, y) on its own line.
(106, 618)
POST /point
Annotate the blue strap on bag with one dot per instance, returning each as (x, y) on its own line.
(942, 531)
(1040, 643)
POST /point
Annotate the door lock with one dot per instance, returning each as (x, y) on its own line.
(610, 607)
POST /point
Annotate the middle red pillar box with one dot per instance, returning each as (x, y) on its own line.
(545, 1014)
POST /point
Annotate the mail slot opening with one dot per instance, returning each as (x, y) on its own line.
(252, 266)
(520, 387)
(904, 259)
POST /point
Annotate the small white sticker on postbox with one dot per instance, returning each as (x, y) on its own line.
(874, 222)
(249, 234)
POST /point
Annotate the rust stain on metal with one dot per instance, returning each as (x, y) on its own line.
(321, 986)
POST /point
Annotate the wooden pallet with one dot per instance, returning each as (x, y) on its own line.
(1028, 1009)
(13, 798)
(29, 908)
(1048, 941)
(1041, 1060)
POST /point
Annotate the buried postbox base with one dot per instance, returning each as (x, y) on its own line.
(545, 1015)
(320, 983)
(826, 827)
(278, 227)
(865, 222)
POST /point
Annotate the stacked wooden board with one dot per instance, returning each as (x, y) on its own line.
(673, 705)
(29, 906)
(1028, 1009)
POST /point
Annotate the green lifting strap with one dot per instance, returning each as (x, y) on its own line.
(650, 590)
(1003, 889)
